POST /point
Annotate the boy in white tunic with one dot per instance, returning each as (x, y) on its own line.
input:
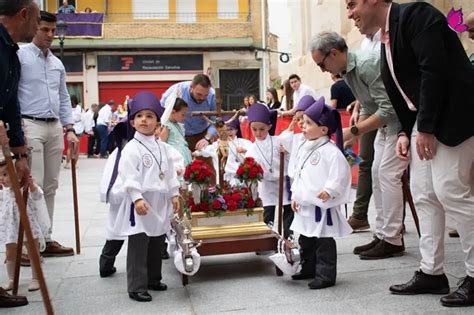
(291, 141)
(237, 152)
(266, 151)
(147, 178)
(322, 182)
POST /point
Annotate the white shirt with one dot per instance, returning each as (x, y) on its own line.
(77, 116)
(105, 116)
(42, 91)
(302, 91)
(371, 44)
(88, 120)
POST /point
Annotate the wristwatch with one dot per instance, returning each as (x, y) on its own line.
(354, 130)
(70, 130)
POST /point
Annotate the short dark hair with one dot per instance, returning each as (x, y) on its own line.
(179, 104)
(294, 76)
(47, 17)
(74, 100)
(202, 80)
(11, 7)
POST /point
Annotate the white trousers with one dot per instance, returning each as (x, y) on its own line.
(387, 171)
(444, 186)
(46, 140)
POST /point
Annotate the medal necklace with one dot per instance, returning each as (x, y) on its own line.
(162, 174)
(263, 155)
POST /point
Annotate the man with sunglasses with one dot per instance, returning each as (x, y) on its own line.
(361, 71)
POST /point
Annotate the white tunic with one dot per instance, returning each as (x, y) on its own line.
(139, 178)
(321, 166)
(267, 154)
(233, 160)
(292, 143)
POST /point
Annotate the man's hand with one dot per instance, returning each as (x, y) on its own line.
(347, 134)
(402, 152)
(71, 137)
(294, 206)
(425, 146)
(175, 202)
(355, 113)
(241, 150)
(202, 144)
(141, 207)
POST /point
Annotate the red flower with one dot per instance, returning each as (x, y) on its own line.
(236, 197)
(240, 171)
(253, 172)
(232, 205)
(227, 198)
(216, 205)
(250, 203)
(249, 160)
(203, 206)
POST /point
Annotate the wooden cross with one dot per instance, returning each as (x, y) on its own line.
(218, 113)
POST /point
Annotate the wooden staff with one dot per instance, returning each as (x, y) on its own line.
(408, 197)
(32, 249)
(19, 248)
(280, 192)
(72, 147)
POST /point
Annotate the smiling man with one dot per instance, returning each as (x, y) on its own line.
(429, 80)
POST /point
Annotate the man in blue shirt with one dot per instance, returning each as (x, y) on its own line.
(200, 96)
(18, 23)
(66, 8)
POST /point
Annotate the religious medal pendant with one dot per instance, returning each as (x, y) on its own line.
(162, 175)
(271, 171)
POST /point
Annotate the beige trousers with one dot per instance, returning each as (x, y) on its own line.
(444, 186)
(46, 141)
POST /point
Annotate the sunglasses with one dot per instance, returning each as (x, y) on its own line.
(321, 64)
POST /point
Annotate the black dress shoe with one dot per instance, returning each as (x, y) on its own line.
(107, 273)
(422, 283)
(8, 300)
(165, 255)
(463, 296)
(302, 276)
(140, 296)
(160, 286)
(382, 250)
(363, 248)
(319, 284)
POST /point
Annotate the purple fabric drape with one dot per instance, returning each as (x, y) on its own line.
(83, 24)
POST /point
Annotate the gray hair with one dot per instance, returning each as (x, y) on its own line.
(325, 41)
(11, 7)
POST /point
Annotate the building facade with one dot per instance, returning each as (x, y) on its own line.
(152, 44)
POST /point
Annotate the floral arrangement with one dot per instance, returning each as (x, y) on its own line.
(249, 172)
(221, 199)
(198, 172)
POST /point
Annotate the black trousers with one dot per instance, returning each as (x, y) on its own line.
(109, 252)
(319, 258)
(269, 217)
(144, 261)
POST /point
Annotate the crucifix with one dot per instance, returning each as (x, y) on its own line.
(221, 127)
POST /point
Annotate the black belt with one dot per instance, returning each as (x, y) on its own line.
(49, 119)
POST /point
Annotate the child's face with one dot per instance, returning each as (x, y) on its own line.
(252, 100)
(299, 118)
(260, 130)
(311, 130)
(179, 115)
(145, 122)
(4, 179)
(231, 132)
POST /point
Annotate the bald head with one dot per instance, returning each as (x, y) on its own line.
(470, 23)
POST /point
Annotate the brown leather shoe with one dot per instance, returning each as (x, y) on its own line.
(463, 296)
(382, 250)
(358, 225)
(7, 300)
(363, 248)
(54, 249)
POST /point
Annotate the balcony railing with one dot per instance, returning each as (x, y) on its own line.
(219, 17)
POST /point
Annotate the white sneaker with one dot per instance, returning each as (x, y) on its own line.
(67, 166)
(8, 286)
(34, 285)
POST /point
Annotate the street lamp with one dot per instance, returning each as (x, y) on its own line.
(61, 28)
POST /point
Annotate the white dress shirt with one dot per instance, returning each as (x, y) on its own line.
(105, 116)
(77, 116)
(88, 120)
(42, 91)
(302, 91)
